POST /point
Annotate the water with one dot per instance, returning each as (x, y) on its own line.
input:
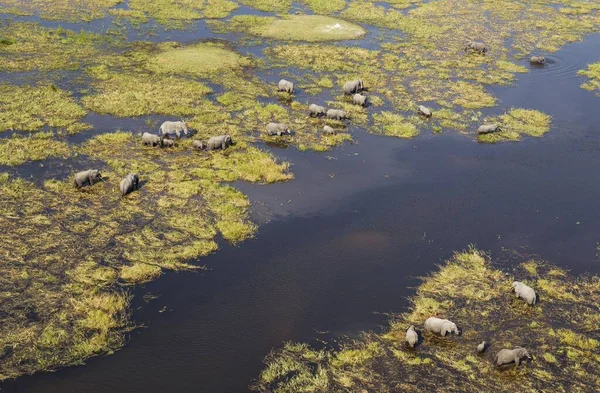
(344, 243)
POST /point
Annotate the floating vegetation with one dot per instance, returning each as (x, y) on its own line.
(516, 123)
(593, 73)
(471, 291)
(392, 124)
(31, 108)
(311, 28)
(176, 14)
(76, 245)
(69, 10)
(194, 60)
(18, 150)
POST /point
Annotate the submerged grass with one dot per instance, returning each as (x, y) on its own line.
(469, 290)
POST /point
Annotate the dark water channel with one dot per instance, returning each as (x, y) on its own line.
(343, 243)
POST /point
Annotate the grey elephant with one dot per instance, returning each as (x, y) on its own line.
(424, 110)
(199, 144)
(476, 46)
(359, 99)
(353, 87)
(440, 326)
(488, 128)
(482, 347)
(151, 139)
(537, 60)
(277, 129)
(327, 130)
(285, 86)
(411, 336)
(129, 183)
(524, 292)
(507, 356)
(219, 142)
(168, 142)
(87, 178)
(315, 110)
(173, 128)
(336, 114)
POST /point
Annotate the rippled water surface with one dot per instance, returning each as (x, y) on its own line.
(345, 241)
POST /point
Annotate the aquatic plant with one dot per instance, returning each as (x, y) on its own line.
(470, 290)
(69, 10)
(31, 108)
(18, 150)
(593, 73)
(515, 123)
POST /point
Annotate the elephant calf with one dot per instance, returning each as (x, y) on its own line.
(199, 144)
(476, 46)
(129, 183)
(359, 99)
(151, 139)
(524, 292)
(424, 111)
(440, 326)
(488, 128)
(327, 130)
(315, 110)
(87, 178)
(336, 114)
(507, 356)
(537, 60)
(353, 87)
(173, 128)
(482, 347)
(168, 143)
(277, 129)
(219, 142)
(285, 86)
(411, 336)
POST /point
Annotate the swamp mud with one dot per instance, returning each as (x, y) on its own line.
(74, 255)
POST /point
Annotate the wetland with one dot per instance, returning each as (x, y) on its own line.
(285, 246)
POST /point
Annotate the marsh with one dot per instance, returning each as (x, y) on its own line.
(253, 248)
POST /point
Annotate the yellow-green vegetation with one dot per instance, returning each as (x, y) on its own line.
(311, 28)
(392, 124)
(471, 291)
(194, 60)
(593, 73)
(177, 14)
(325, 6)
(28, 46)
(69, 10)
(516, 123)
(269, 5)
(70, 249)
(31, 108)
(18, 150)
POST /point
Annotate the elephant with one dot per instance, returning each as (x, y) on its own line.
(440, 326)
(219, 142)
(524, 292)
(336, 114)
(488, 128)
(353, 87)
(482, 347)
(173, 128)
(359, 99)
(327, 130)
(537, 60)
(168, 143)
(476, 46)
(411, 336)
(151, 139)
(129, 183)
(424, 111)
(89, 177)
(285, 86)
(507, 356)
(277, 129)
(315, 110)
(199, 144)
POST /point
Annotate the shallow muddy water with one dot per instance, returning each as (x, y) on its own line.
(345, 241)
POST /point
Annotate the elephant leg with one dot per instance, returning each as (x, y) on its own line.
(517, 361)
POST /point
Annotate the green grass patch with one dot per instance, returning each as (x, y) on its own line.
(18, 150)
(517, 123)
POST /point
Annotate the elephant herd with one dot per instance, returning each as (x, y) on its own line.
(444, 327)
